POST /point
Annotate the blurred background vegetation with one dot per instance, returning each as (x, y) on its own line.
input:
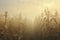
(45, 27)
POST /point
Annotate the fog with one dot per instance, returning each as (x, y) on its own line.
(29, 19)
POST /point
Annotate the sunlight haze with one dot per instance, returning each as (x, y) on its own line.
(29, 8)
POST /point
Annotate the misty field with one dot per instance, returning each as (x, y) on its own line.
(45, 27)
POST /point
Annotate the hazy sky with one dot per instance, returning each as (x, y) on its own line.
(29, 8)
